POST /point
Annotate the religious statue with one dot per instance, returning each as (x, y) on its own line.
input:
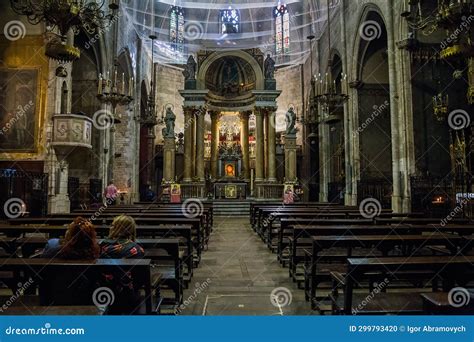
(170, 118)
(190, 69)
(269, 68)
(291, 122)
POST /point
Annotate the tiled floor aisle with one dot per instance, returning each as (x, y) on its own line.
(242, 274)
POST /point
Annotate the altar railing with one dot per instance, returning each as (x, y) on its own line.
(268, 191)
(193, 190)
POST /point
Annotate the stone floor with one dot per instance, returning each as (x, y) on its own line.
(238, 275)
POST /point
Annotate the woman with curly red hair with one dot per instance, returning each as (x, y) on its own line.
(80, 242)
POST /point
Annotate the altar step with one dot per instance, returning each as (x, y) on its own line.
(231, 208)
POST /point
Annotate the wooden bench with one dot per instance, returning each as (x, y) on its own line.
(166, 256)
(169, 220)
(30, 244)
(383, 243)
(448, 270)
(302, 238)
(46, 275)
(438, 303)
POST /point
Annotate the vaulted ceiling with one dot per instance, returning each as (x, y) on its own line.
(203, 30)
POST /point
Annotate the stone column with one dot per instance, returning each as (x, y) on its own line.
(215, 144)
(200, 128)
(151, 138)
(290, 158)
(193, 146)
(188, 145)
(271, 149)
(260, 160)
(244, 142)
(394, 114)
(58, 202)
(169, 160)
(265, 147)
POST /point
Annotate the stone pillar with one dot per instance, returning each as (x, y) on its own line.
(265, 146)
(200, 128)
(188, 145)
(271, 149)
(58, 202)
(169, 160)
(215, 144)
(151, 138)
(244, 142)
(260, 160)
(290, 158)
(394, 114)
(193, 146)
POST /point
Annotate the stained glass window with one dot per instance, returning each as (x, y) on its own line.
(282, 29)
(229, 21)
(177, 29)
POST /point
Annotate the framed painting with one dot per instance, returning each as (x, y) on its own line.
(19, 92)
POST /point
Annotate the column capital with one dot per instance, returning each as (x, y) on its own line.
(245, 115)
(215, 115)
(265, 110)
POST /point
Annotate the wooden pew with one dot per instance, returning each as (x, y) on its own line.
(46, 274)
(141, 221)
(383, 243)
(302, 236)
(448, 270)
(286, 224)
(30, 244)
(160, 251)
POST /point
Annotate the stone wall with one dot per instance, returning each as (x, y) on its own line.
(169, 81)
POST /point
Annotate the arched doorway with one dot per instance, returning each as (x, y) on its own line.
(335, 120)
(374, 125)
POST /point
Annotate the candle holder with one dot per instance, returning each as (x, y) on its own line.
(114, 90)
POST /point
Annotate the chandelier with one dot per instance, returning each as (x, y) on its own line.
(114, 89)
(62, 16)
(455, 17)
(327, 93)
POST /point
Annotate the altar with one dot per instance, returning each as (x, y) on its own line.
(230, 190)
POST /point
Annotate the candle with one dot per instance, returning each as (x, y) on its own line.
(100, 85)
(123, 84)
(326, 86)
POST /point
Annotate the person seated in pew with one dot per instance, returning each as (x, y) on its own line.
(80, 242)
(121, 243)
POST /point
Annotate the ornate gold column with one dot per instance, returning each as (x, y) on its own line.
(260, 159)
(188, 144)
(215, 116)
(200, 127)
(244, 142)
(271, 148)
